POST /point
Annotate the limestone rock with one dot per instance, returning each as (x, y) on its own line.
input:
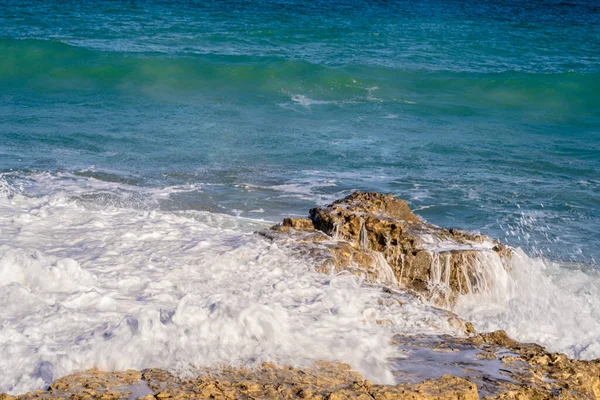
(269, 381)
(91, 384)
(380, 238)
(529, 373)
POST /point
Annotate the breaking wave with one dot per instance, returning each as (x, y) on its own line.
(117, 287)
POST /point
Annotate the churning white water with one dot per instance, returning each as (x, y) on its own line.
(91, 276)
(536, 300)
(84, 286)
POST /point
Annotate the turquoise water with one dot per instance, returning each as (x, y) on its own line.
(482, 116)
(143, 142)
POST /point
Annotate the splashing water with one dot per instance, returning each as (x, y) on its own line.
(537, 300)
(118, 288)
(123, 144)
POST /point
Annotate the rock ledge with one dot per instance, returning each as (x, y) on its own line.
(380, 238)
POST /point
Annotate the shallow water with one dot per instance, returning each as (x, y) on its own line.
(431, 357)
(142, 144)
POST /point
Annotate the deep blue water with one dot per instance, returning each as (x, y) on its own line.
(482, 116)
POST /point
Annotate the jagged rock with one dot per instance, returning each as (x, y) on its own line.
(529, 372)
(553, 374)
(269, 381)
(503, 368)
(379, 237)
(91, 384)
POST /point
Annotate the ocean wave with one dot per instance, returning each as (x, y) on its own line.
(540, 301)
(55, 66)
(103, 285)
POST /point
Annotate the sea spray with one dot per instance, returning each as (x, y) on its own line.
(533, 299)
(118, 287)
(482, 280)
(127, 131)
(541, 301)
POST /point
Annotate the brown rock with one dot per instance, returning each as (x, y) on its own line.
(303, 224)
(381, 239)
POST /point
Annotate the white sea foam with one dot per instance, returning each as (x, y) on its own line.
(370, 94)
(555, 304)
(308, 189)
(435, 244)
(119, 288)
(539, 301)
(84, 285)
(69, 184)
(306, 101)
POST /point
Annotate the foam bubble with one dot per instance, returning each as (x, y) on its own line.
(305, 101)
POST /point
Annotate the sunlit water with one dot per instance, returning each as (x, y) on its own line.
(141, 144)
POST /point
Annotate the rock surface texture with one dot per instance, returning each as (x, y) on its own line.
(323, 381)
(379, 238)
(527, 372)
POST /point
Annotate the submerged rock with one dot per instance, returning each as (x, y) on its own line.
(379, 237)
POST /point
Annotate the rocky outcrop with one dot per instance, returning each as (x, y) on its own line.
(325, 381)
(489, 366)
(542, 374)
(380, 238)
(503, 368)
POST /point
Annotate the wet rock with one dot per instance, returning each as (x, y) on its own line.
(268, 381)
(380, 238)
(544, 375)
(92, 384)
(500, 367)
(524, 377)
(489, 365)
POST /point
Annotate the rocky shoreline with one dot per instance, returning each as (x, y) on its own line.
(381, 240)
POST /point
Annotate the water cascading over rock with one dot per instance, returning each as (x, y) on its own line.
(379, 237)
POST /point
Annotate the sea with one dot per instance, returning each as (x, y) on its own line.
(142, 143)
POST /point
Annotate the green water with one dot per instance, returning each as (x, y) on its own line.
(483, 117)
